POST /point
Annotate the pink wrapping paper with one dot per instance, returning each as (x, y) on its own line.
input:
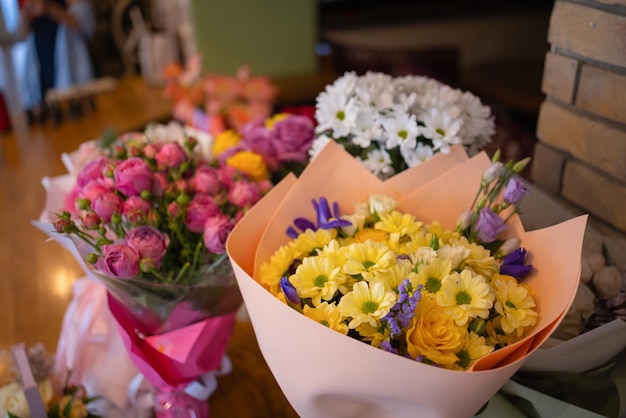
(178, 357)
(326, 374)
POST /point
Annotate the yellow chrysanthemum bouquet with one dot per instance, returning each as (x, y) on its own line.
(403, 271)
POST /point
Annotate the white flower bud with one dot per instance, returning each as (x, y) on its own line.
(494, 171)
(464, 220)
(358, 220)
(508, 247)
(381, 204)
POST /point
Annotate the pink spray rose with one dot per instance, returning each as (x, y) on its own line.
(132, 176)
(205, 181)
(244, 193)
(135, 209)
(92, 171)
(171, 155)
(119, 260)
(106, 204)
(216, 230)
(159, 185)
(200, 209)
(148, 241)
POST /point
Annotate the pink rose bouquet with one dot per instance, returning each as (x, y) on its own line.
(148, 214)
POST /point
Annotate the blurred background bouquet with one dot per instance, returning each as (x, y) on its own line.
(57, 398)
(392, 123)
(217, 102)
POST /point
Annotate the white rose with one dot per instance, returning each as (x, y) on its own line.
(381, 204)
(456, 254)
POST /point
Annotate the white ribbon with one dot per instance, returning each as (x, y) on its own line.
(200, 389)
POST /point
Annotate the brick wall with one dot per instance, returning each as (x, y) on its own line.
(581, 153)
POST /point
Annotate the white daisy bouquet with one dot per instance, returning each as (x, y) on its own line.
(391, 124)
(455, 336)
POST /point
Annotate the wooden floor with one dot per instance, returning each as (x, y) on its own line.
(36, 276)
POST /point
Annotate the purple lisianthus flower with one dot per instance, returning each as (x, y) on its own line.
(488, 225)
(515, 191)
(119, 260)
(148, 241)
(513, 264)
(132, 176)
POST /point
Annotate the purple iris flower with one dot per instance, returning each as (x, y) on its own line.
(515, 191)
(325, 219)
(291, 294)
(488, 225)
(513, 264)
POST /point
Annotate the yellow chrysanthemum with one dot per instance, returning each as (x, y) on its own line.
(373, 335)
(464, 296)
(250, 163)
(444, 235)
(479, 259)
(368, 259)
(367, 303)
(328, 315)
(496, 336)
(225, 140)
(271, 121)
(455, 253)
(271, 273)
(474, 348)
(515, 303)
(430, 276)
(310, 241)
(398, 272)
(317, 278)
(400, 226)
(434, 335)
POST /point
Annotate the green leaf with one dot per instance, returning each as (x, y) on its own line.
(108, 137)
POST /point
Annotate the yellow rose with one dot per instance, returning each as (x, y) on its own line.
(434, 334)
(224, 141)
(250, 163)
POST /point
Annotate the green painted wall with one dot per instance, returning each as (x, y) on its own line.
(274, 37)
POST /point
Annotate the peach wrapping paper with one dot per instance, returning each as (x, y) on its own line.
(326, 374)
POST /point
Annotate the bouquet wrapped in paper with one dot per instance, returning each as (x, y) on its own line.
(343, 343)
(147, 215)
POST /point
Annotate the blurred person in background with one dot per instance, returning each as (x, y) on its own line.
(58, 32)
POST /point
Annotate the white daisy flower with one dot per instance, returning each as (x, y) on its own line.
(401, 129)
(417, 155)
(318, 144)
(441, 129)
(379, 163)
(337, 113)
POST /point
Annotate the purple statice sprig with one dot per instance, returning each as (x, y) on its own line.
(326, 219)
(401, 313)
